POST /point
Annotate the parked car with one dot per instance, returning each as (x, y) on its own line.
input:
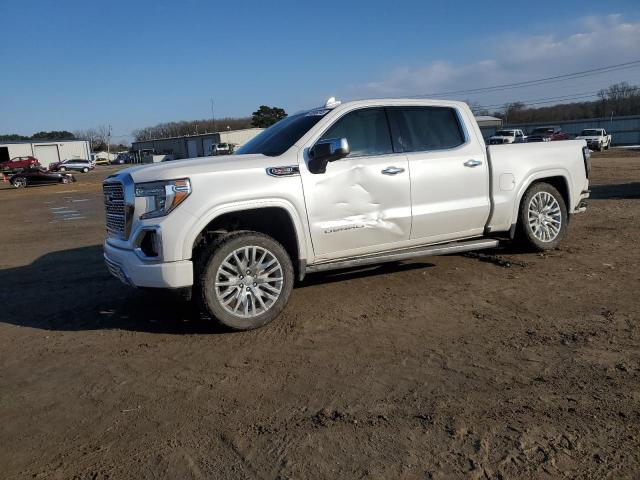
(122, 158)
(339, 186)
(101, 161)
(221, 149)
(37, 175)
(18, 163)
(78, 165)
(547, 134)
(506, 136)
(597, 138)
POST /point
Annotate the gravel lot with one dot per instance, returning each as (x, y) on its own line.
(495, 365)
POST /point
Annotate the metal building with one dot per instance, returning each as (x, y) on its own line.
(488, 125)
(46, 151)
(192, 146)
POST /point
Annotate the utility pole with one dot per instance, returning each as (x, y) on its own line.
(213, 118)
(109, 144)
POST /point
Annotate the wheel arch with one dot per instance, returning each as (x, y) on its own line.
(278, 219)
(560, 179)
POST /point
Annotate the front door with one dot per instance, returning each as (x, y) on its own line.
(362, 203)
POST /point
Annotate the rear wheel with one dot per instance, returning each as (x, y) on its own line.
(542, 220)
(66, 180)
(244, 280)
(85, 170)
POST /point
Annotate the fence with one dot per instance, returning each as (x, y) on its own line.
(623, 130)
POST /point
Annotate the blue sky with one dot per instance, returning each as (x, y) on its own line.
(74, 65)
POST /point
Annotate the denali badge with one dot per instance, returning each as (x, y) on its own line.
(287, 171)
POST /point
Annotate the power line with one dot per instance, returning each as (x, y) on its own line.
(540, 101)
(540, 81)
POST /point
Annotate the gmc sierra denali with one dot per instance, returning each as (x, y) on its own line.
(339, 186)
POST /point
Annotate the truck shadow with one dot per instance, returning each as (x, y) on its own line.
(71, 290)
(618, 191)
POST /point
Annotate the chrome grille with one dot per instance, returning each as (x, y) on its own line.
(114, 205)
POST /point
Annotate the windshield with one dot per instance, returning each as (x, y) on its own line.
(505, 133)
(279, 137)
(590, 133)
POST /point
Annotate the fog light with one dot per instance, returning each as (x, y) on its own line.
(149, 244)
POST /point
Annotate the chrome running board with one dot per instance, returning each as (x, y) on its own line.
(398, 255)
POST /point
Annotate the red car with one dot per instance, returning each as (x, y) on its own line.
(19, 163)
(547, 134)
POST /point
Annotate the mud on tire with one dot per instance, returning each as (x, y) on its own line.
(243, 280)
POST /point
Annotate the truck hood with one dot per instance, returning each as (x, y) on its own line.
(500, 137)
(203, 165)
(590, 137)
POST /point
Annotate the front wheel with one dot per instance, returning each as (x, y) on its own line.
(542, 219)
(19, 182)
(85, 170)
(244, 280)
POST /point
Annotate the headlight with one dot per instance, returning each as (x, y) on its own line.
(163, 197)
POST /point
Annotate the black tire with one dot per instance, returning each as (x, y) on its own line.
(19, 182)
(525, 233)
(66, 180)
(207, 269)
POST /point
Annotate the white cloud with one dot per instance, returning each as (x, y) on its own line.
(601, 41)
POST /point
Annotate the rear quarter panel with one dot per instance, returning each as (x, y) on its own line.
(515, 167)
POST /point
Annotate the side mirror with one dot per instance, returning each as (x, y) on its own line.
(326, 151)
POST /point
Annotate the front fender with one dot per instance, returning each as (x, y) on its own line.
(297, 219)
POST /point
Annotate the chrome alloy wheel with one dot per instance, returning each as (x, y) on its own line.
(545, 217)
(249, 281)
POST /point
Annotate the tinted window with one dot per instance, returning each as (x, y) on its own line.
(279, 137)
(366, 130)
(426, 128)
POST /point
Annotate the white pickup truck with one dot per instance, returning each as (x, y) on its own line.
(340, 186)
(507, 136)
(596, 138)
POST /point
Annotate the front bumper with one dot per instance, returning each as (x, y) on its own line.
(127, 267)
(582, 204)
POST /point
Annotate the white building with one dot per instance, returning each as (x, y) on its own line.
(46, 151)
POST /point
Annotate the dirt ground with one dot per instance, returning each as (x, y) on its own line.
(492, 366)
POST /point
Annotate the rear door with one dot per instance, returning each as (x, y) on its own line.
(449, 172)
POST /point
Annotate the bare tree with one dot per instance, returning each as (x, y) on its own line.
(97, 137)
(188, 127)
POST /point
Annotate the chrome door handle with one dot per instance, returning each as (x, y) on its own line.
(392, 171)
(472, 163)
